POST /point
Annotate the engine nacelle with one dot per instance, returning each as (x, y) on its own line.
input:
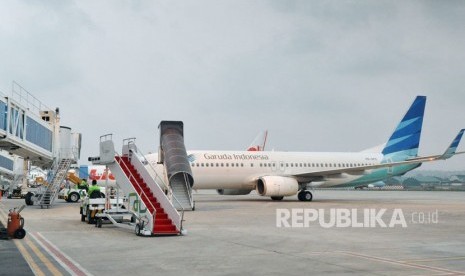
(233, 191)
(277, 186)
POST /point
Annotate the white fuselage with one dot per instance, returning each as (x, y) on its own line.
(242, 169)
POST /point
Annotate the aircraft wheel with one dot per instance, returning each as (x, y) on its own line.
(307, 196)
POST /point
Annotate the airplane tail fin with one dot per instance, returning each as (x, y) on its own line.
(258, 144)
(451, 150)
(405, 140)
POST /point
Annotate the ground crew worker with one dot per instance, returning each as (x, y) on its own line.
(94, 189)
(83, 185)
(94, 192)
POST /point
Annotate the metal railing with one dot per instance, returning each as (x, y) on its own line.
(57, 175)
(130, 176)
(139, 154)
(25, 98)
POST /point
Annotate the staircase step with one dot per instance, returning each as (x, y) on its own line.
(163, 222)
(161, 216)
(164, 228)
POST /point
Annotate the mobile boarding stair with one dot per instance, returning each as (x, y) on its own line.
(154, 213)
(46, 196)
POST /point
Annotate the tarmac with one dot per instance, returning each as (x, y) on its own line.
(239, 235)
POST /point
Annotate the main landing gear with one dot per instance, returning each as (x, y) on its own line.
(305, 195)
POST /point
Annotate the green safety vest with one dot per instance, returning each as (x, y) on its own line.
(94, 188)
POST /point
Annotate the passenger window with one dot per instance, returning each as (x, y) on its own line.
(242, 164)
(251, 165)
(227, 164)
(206, 164)
(217, 165)
(232, 164)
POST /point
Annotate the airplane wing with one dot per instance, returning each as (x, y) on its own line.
(360, 170)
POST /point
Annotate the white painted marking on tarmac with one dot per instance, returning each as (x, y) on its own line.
(73, 267)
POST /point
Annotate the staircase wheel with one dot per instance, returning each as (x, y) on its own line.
(137, 230)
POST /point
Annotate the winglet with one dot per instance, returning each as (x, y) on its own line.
(453, 146)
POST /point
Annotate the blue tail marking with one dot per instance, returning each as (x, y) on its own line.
(453, 146)
(406, 138)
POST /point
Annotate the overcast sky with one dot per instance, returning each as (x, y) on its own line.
(319, 75)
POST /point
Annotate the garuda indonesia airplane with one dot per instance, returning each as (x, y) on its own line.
(280, 174)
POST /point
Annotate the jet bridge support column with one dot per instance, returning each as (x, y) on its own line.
(173, 155)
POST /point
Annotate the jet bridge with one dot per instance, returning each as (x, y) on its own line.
(178, 171)
(31, 130)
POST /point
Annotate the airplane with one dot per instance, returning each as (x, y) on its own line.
(279, 174)
(104, 177)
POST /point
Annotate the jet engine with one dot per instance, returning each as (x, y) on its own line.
(233, 191)
(276, 186)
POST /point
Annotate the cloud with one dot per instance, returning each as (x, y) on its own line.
(321, 76)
